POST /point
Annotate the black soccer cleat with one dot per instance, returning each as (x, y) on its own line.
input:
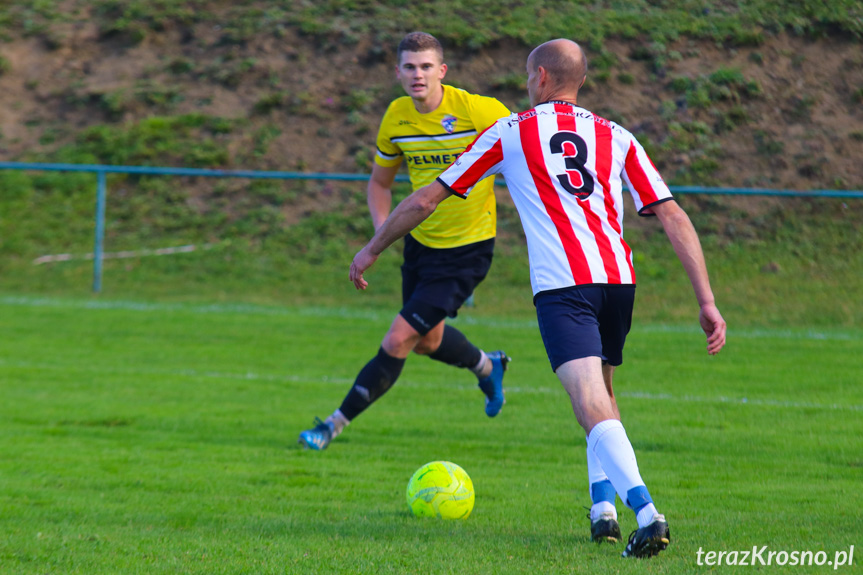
(649, 540)
(605, 529)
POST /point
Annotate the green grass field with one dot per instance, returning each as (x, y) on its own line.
(142, 437)
(152, 429)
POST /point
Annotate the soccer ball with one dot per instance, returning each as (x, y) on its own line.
(440, 489)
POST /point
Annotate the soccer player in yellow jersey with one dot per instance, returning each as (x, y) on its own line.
(449, 254)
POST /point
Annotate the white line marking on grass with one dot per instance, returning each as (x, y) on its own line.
(190, 373)
(122, 255)
(741, 401)
(386, 316)
(342, 381)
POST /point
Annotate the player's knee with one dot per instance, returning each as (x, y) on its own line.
(424, 347)
(430, 342)
(399, 344)
(421, 349)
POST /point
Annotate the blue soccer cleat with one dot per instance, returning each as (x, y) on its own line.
(492, 385)
(317, 438)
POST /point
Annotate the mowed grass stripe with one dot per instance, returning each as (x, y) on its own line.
(164, 442)
(359, 313)
(412, 383)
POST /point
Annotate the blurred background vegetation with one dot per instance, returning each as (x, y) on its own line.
(754, 94)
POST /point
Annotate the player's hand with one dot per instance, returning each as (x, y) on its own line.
(714, 327)
(362, 261)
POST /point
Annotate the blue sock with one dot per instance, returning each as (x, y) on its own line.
(637, 498)
(602, 491)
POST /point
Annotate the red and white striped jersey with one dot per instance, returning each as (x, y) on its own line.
(564, 167)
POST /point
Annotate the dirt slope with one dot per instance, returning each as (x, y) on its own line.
(804, 130)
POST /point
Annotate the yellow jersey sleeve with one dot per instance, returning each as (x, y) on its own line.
(429, 143)
(485, 111)
(388, 153)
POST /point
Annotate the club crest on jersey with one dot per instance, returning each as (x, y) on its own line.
(448, 124)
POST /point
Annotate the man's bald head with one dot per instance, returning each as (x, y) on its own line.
(564, 63)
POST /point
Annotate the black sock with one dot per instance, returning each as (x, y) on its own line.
(373, 381)
(455, 349)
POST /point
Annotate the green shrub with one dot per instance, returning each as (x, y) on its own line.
(357, 100)
(626, 78)
(516, 81)
(268, 103)
(767, 145)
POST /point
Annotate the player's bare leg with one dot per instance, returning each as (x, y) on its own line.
(604, 527)
(588, 386)
(430, 342)
(608, 376)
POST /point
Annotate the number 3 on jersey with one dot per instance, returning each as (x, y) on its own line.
(577, 180)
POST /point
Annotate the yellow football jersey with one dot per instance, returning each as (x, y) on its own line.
(430, 143)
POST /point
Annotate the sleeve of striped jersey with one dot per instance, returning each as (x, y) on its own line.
(388, 154)
(480, 159)
(485, 111)
(643, 179)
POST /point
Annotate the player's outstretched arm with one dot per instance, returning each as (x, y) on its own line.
(684, 238)
(379, 193)
(407, 215)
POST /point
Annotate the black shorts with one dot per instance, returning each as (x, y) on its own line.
(436, 282)
(585, 321)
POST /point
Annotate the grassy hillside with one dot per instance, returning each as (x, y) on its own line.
(760, 93)
(465, 23)
(737, 94)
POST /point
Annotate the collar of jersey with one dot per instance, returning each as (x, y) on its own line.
(557, 102)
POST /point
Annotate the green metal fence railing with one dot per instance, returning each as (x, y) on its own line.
(101, 172)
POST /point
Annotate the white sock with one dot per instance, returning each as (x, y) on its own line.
(608, 441)
(595, 472)
(477, 369)
(645, 516)
(338, 422)
(602, 507)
